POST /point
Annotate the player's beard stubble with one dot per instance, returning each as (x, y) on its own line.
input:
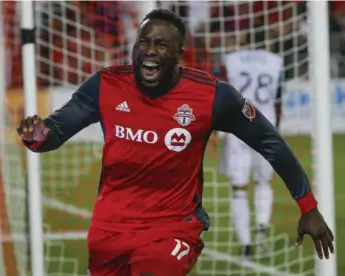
(168, 75)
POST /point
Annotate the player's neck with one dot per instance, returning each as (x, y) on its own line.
(164, 86)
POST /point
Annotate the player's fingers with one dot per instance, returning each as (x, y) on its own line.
(36, 120)
(330, 233)
(325, 246)
(23, 130)
(30, 122)
(26, 129)
(39, 127)
(318, 247)
(20, 129)
(299, 240)
(330, 240)
(24, 125)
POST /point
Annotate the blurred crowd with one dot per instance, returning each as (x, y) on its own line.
(74, 38)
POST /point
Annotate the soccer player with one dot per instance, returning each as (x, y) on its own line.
(156, 118)
(256, 73)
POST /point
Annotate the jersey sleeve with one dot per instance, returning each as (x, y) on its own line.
(234, 114)
(79, 112)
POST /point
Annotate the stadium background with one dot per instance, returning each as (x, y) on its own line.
(74, 38)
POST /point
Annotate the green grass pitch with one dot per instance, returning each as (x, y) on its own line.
(69, 196)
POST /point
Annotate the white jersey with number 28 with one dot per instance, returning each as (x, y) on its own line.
(256, 75)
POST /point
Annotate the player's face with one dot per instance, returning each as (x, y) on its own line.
(156, 52)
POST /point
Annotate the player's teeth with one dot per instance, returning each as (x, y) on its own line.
(150, 64)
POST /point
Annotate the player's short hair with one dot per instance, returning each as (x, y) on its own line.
(170, 17)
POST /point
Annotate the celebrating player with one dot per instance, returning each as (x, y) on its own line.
(156, 118)
(256, 74)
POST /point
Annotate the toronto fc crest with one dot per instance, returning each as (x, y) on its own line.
(184, 115)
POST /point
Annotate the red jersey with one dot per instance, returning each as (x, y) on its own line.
(153, 152)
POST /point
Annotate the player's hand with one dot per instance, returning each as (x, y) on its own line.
(313, 224)
(32, 129)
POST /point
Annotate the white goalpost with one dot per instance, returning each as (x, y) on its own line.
(33, 160)
(73, 39)
(323, 148)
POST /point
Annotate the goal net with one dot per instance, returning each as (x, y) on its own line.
(74, 38)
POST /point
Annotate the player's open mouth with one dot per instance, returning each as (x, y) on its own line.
(150, 70)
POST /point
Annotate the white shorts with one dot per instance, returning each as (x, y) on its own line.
(239, 160)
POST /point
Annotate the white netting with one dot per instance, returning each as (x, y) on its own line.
(75, 38)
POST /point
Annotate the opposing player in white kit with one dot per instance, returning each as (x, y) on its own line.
(256, 73)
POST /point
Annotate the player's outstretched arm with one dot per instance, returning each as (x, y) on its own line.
(79, 112)
(234, 114)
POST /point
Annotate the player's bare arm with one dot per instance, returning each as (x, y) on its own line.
(41, 135)
(233, 114)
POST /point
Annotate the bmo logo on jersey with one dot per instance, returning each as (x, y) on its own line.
(177, 139)
(141, 136)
